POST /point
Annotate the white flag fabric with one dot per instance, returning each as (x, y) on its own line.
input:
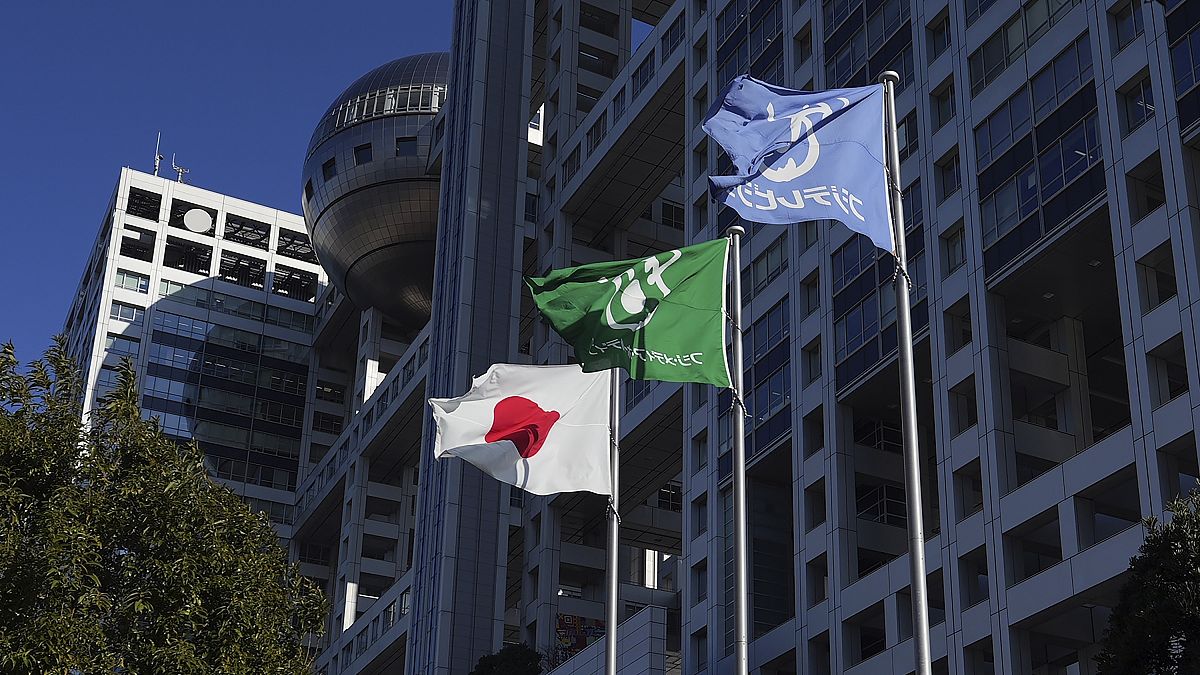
(544, 429)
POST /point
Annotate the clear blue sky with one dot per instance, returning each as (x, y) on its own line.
(235, 87)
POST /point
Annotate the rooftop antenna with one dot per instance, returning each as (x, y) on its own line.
(157, 157)
(178, 169)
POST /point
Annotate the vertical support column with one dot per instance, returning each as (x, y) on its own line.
(367, 375)
(543, 546)
(1079, 406)
(350, 544)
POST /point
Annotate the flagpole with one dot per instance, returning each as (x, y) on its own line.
(614, 527)
(741, 554)
(908, 387)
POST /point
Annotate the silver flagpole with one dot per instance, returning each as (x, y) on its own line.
(614, 528)
(741, 535)
(908, 388)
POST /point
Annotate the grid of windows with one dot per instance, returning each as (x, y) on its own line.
(851, 259)
(766, 267)
(1062, 77)
(1069, 157)
(1012, 120)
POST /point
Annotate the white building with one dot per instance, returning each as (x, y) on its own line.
(212, 297)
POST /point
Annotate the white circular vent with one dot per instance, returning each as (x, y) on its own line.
(197, 220)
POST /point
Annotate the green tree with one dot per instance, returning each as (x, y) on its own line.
(510, 660)
(119, 554)
(1155, 627)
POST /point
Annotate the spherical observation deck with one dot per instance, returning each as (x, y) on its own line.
(369, 202)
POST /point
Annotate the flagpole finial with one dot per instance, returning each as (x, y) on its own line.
(890, 76)
(735, 229)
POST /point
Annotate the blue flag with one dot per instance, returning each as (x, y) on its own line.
(803, 156)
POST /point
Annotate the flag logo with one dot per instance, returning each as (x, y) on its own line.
(661, 317)
(637, 308)
(802, 128)
(523, 423)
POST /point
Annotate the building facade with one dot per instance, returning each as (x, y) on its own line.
(212, 298)
(1048, 163)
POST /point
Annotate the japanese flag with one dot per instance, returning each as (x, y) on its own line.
(544, 429)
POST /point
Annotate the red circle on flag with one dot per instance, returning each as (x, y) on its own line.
(523, 422)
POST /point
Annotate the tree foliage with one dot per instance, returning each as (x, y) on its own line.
(119, 554)
(510, 660)
(1155, 627)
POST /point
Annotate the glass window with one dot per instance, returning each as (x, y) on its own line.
(1127, 23)
(180, 325)
(855, 327)
(847, 60)
(1009, 204)
(362, 154)
(329, 169)
(295, 245)
(853, 258)
(939, 37)
(954, 248)
(672, 215)
(599, 20)
(730, 18)
(886, 20)
(1000, 50)
(1069, 157)
(294, 283)
(941, 106)
(132, 281)
(643, 74)
(243, 270)
(1185, 62)
(976, 8)
(836, 11)
(188, 256)
(143, 204)
(1062, 77)
(949, 179)
(597, 131)
(767, 266)
(1002, 128)
(235, 306)
(907, 136)
(1137, 105)
(246, 231)
(125, 312)
(137, 243)
(122, 345)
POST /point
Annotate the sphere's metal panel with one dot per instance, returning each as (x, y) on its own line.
(373, 222)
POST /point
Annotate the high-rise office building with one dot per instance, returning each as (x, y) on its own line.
(212, 298)
(1048, 162)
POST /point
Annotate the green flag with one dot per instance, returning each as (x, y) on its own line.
(660, 318)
